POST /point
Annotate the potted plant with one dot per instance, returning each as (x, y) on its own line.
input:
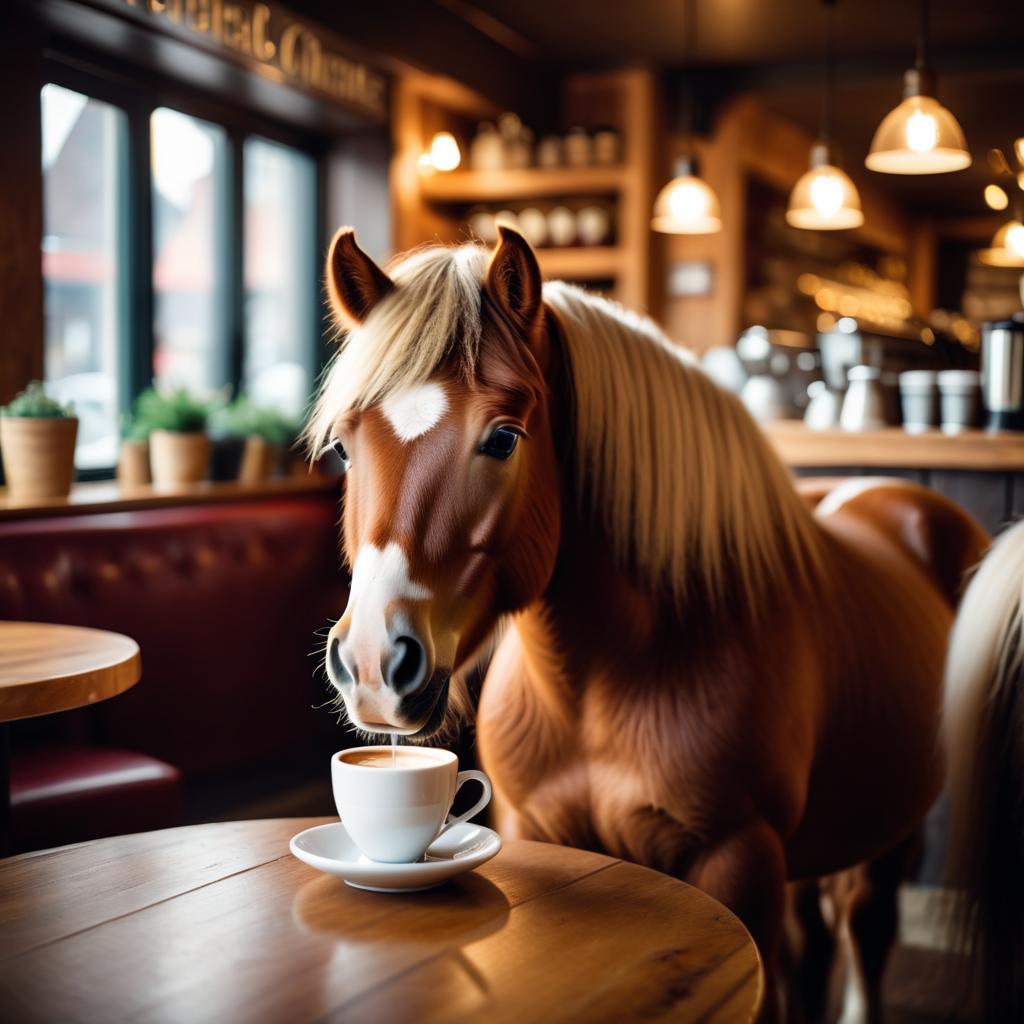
(133, 459)
(266, 433)
(37, 437)
(179, 448)
(229, 428)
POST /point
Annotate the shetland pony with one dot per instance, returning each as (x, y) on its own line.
(699, 673)
(983, 730)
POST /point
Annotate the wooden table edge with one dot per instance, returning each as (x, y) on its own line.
(65, 690)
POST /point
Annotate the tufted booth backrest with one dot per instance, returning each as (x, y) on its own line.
(224, 601)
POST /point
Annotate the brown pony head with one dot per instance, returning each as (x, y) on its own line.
(438, 406)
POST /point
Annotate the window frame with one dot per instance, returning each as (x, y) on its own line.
(122, 86)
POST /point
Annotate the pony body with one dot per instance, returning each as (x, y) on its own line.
(700, 673)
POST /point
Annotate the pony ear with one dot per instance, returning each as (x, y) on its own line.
(354, 282)
(513, 280)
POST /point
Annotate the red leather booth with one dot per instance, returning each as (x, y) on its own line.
(225, 602)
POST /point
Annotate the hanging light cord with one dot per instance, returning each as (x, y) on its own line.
(826, 99)
(922, 39)
(689, 117)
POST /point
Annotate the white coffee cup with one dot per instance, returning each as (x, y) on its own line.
(394, 813)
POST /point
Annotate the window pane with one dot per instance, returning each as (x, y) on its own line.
(280, 275)
(82, 143)
(189, 280)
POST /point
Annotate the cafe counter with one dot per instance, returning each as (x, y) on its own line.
(983, 472)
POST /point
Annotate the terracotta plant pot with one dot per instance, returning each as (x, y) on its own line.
(255, 461)
(177, 460)
(39, 456)
(133, 464)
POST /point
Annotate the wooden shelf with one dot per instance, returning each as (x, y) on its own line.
(596, 263)
(528, 183)
(895, 448)
(109, 496)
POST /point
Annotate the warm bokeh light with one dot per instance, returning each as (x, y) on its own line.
(1015, 238)
(687, 206)
(1007, 248)
(919, 137)
(824, 199)
(922, 132)
(1018, 147)
(445, 154)
(996, 198)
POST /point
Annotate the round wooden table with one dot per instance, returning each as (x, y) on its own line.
(45, 668)
(220, 923)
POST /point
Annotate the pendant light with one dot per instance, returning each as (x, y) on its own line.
(1007, 248)
(687, 205)
(920, 136)
(825, 199)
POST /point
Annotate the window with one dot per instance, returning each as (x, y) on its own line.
(83, 159)
(190, 290)
(280, 275)
(177, 250)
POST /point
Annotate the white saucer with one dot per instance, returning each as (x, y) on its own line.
(330, 848)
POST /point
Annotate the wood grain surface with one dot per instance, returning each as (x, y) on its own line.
(220, 923)
(894, 447)
(46, 668)
(111, 496)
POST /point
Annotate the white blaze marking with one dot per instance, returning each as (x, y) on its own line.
(379, 578)
(413, 412)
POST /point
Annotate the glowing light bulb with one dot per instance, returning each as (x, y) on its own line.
(922, 132)
(827, 194)
(996, 198)
(1015, 239)
(444, 152)
(688, 202)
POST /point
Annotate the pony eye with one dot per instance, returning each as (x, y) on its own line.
(339, 449)
(501, 444)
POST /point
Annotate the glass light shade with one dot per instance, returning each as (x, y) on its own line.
(1007, 249)
(824, 199)
(919, 137)
(687, 205)
(445, 154)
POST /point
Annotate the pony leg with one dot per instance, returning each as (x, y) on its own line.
(871, 922)
(810, 953)
(747, 872)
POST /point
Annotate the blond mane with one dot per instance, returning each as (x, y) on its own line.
(672, 466)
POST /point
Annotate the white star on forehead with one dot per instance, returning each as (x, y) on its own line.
(413, 412)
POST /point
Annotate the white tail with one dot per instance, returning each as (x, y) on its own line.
(983, 731)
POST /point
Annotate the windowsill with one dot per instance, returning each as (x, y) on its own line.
(110, 496)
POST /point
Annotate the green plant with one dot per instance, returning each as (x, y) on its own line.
(244, 419)
(34, 403)
(177, 411)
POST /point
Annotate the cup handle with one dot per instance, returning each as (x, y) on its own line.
(485, 798)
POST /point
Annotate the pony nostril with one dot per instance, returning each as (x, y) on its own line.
(339, 670)
(407, 665)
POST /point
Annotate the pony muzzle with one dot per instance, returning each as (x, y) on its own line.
(386, 686)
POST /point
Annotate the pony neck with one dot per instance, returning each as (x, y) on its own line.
(674, 504)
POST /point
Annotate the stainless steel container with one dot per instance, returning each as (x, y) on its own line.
(1002, 373)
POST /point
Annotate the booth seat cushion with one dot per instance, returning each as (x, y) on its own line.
(69, 793)
(225, 603)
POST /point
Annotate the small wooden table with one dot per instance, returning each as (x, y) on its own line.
(220, 923)
(46, 668)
